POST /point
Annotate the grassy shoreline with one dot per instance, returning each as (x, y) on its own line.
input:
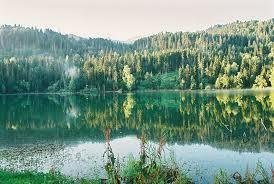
(130, 176)
(28, 177)
(150, 168)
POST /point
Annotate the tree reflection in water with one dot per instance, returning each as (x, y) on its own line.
(236, 121)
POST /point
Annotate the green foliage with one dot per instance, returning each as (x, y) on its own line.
(33, 178)
(236, 55)
(222, 82)
(259, 176)
(222, 178)
(160, 81)
(272, 77)
(260, 82)
(28, 177)
(149, 168)
(169, 80)
(128, 78)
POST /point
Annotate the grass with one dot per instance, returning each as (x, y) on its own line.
(149, 168)
(8, 177)
(260, 176)
(27, 177)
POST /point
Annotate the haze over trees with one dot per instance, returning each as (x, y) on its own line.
(236, 55)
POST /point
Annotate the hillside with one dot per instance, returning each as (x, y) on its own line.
(244, 28)
(235, 55)
(21, 41)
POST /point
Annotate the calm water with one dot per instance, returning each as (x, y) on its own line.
(205, 131)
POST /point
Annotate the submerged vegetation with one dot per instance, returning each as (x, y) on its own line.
(236, 55)
(149, 168)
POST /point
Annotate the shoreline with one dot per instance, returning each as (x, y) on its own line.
(54, 176)
(200, 91)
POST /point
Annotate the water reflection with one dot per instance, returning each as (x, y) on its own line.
(199, 127)
(234, 121)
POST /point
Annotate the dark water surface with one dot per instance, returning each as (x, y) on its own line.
(204, 131)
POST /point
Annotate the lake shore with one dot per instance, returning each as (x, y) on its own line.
(208, 139)
(169, 176)
(200, 91)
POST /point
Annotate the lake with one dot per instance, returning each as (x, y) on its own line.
(204, 132)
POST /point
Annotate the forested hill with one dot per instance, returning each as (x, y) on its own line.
(21, 41)
(235, 55)
(237, 33)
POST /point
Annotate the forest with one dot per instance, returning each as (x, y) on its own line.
(237, 55)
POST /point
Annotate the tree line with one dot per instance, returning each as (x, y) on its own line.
(236, 55)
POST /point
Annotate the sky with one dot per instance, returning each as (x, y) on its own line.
(129, 19)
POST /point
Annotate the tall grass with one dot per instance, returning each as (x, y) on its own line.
(149, 168)
(260, 176)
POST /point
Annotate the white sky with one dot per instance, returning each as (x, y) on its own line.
(126, 19)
